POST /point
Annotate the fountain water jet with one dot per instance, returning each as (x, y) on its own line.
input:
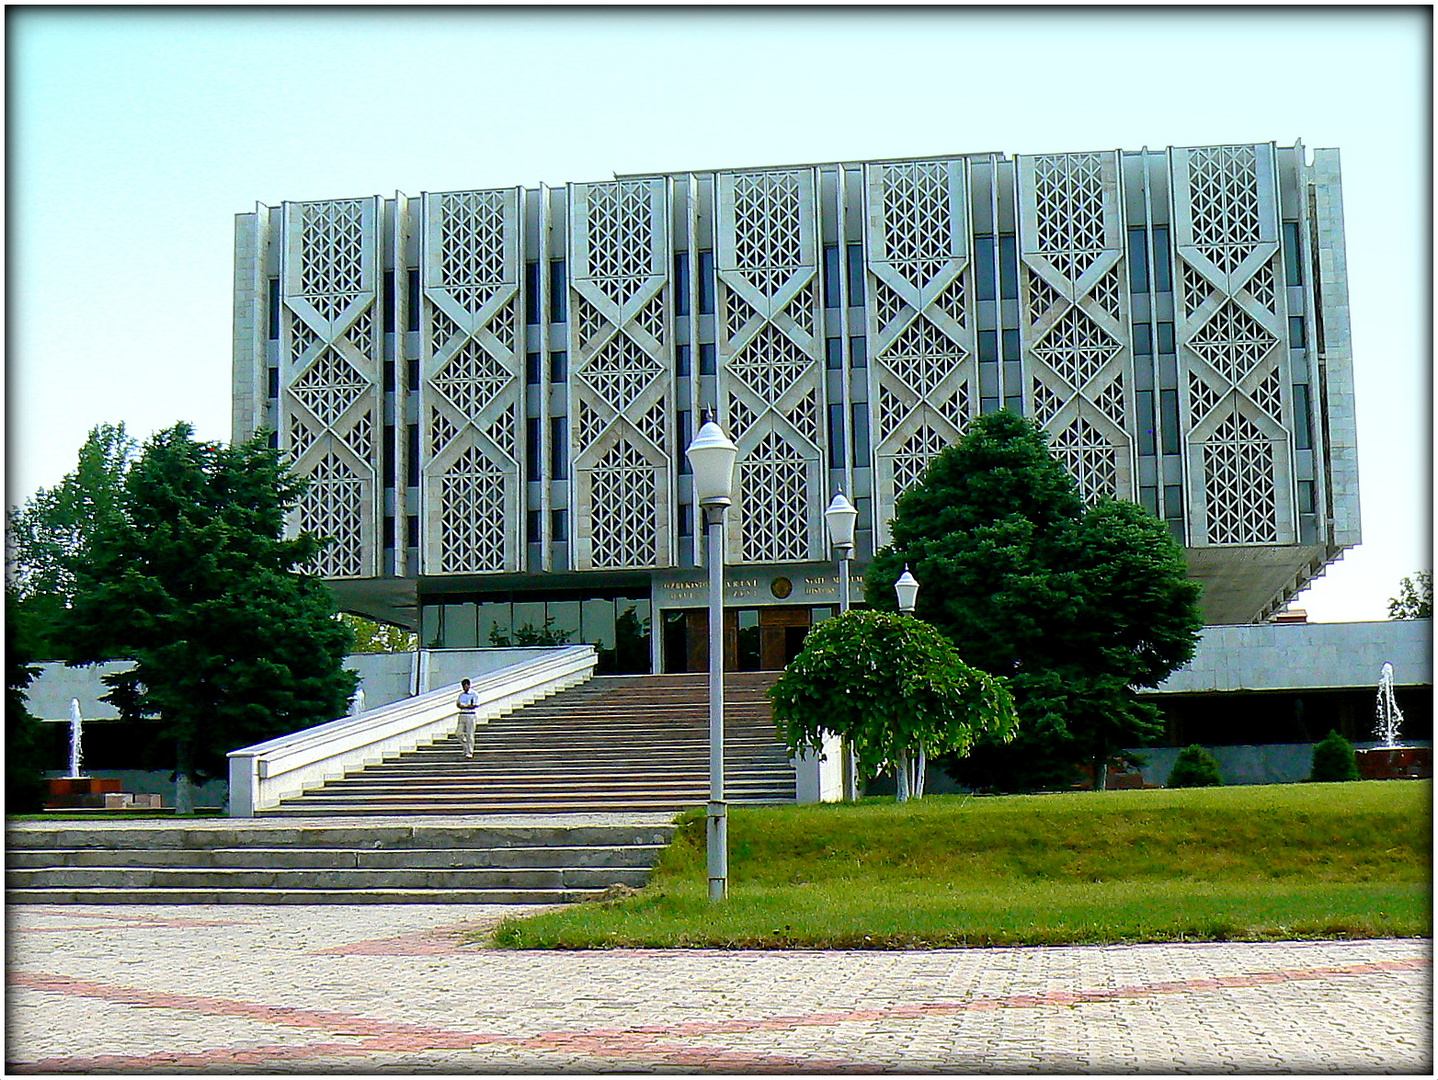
(75, 734)
(1390, 759)
(1390, 718)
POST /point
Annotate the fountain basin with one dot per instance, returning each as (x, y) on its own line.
(1395, 762)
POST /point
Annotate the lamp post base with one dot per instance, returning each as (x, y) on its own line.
(717, 846)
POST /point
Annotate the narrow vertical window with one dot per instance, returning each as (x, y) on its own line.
(1142, 339)
(274, 382)
(1302, 418)
(708, 359)
(1147, 436)
(858, 352)
(686, 436)
(859, 426)
(833, 353)
(412, 446)
(855, 270)
(389, 376)
(387, 302)
(532, 523)
(531, 293)
(558, 365)
(274, 309)
(1168, 407)
(681, 360)
(831, 275)
(559, 526)
(411, 530)
(1297, 338)
(706, 283)
(531, 448)
(988, 346)
(558, 448)
(1292, 254)
(531, 369)
(1011, 344)
(1306, 502)
(686, 519)
(1165, 339)
(1162, 260)
(836, 436)
(412, 298)
(1138, 260)
(681, 283)
(984, 265)
(558, 295)
(1008, 267)
(388, 451)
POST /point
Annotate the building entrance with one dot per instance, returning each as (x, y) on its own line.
(755, 639)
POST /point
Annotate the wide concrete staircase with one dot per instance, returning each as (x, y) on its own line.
(614, 743)
(385, 861)
(622, 753)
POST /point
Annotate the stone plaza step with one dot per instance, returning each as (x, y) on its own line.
(315, 862)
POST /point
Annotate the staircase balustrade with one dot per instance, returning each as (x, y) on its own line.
(266, 773)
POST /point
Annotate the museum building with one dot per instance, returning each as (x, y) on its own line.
(491, 391)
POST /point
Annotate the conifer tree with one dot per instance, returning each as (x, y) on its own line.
(1075, 605)
(233, 642)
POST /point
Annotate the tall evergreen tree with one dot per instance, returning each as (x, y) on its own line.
(49, 536)
(233, 642)
(1075, 605)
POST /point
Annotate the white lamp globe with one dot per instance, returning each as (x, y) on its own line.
(840, 518)
(907, 590)
(711, 455)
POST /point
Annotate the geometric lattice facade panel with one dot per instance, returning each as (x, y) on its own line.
(620, 396)
(923, 376)
(1076, 330)
(770, 355)
(471, 381)
(330, 404)
(1232, 329)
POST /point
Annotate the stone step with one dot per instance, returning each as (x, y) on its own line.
(556, 878)
(262, 858)
(419, 836)
(299, 896)
(314, 806)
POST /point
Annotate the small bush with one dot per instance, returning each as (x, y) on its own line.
(1194, 767)
(1333, 759)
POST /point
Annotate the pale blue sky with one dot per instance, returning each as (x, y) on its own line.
(137, 134)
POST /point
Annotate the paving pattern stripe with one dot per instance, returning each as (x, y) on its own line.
(138, 920)
(651, 1043)
(201, 1059)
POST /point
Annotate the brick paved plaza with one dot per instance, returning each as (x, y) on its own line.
(365, 989)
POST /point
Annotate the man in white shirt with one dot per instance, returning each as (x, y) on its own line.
(467, 703)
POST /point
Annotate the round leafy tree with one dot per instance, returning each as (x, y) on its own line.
(1194, 767)
(891, 685)
(1333, 759)
(1077, 605)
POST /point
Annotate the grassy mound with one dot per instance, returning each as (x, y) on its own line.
(1201, 864)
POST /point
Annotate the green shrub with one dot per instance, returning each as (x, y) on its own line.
(1333, 759)
(1194, 767)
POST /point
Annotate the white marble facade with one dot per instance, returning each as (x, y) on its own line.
(497, 386)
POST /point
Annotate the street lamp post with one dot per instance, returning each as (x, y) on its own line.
(907, 591)
(711, 455)
(840, 519)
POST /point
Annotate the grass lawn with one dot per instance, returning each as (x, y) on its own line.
(1207, 864)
